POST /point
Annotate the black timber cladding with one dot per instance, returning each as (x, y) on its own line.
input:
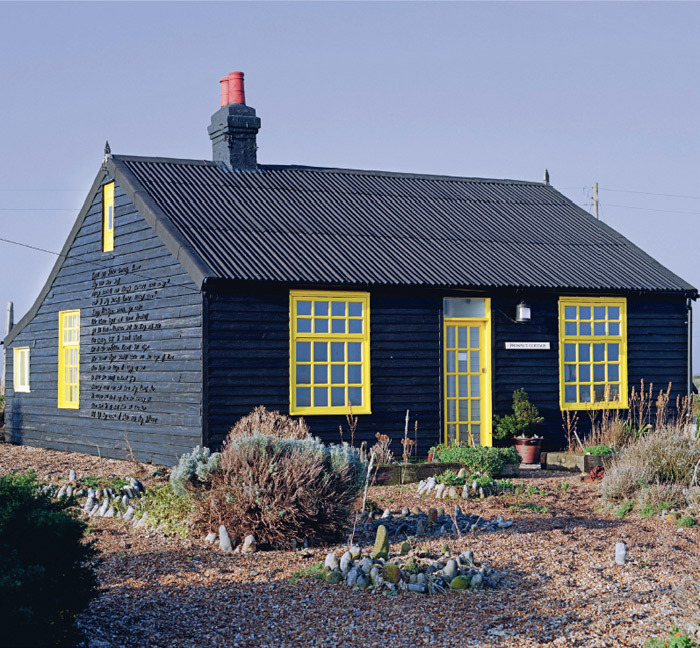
(300, 224)
(143, 392)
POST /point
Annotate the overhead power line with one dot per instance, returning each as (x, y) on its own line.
(651, 193)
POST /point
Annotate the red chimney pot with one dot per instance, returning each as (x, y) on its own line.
(224, 91)
(236, 91)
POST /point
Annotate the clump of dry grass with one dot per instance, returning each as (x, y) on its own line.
(658, 466)
(659, 496)
(262, 421)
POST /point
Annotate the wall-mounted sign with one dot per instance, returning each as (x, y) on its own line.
(529, 346)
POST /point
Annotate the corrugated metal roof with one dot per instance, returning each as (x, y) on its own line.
(316, 225)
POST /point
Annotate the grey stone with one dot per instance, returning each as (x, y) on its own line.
(71, 475)
(125, 500)
(405, 511)
(420, 527)
(620, 553)
(450, 570)
(211, 536)
(421, 578)
(91, 493)
(345, 563)
(225, 543)
(458, 512)
(249, 545)
(420, 588)
(331, 562)
(381, 543)
(374, 574)
(80, 493)
(405, 548)
(465, 491)
(90, 502)
(355, 552)
(104, 507)
(353, 575)
(69, 492)
(362, 581)
(119, 514)
(366, 565)
(477, 581)
(129, 513)
(111, 512)
(429, 485)
(61, 492)
(94, 510)
(468, 557)
(439, 490)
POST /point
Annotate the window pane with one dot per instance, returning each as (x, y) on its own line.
(475, 384)
(476, 410)
(321, 351)
(570, 352)
(613, 372)
(320, 397)
(585, 328)
(476, 431)
(337, 396)
(320, 326)
(462, 360)
(584, 393)
(463, 409)
(303, 325)
(320, 374)
(338, 326)
(569, 373)
(599, 373)
(570, 393)
(463, 337)
(354, 326)
(451, 410)
(614, 328)
(355, 351)
(598, 352)
(355, 309)
(321, 309)
(614, 392)
(303, 374)
(584, 372)
(584, 312)
(464, 307)
(303, 396)
(355, 374)
(570, 328)
(450, 361)
(613, 352)
(474, 361)
(451, 433)
(450, 337)
(584, 352)
(338, 309)
(451, 386)
(613, 312)
(303, 308)
(338, 351)
(474, 337)
(599, 393)
(338, 374)
(599, 328)
(463, 386)
(599, 312)
(355, 396)
(303, 351)
(570, 312)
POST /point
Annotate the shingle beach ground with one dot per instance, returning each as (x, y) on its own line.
(560, 585)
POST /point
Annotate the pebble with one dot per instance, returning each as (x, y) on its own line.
(249, 545)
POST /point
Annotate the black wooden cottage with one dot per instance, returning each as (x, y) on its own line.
(190, 291)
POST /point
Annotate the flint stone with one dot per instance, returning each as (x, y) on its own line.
(462, 473)
(452, 493)
(420, 527)
(353, 575)
(465, 491)
(405, 511)
(94, 510)
(331, 562)
(381, 543)
(69, 492)
(249, 545)
(111, 512)
(91, 493)
(429, 485)
(355, 552)
(104, 507)
(450, 570)
(71, 475)
(432, 516)
(416, 511)
(420, 588)
(129, 513)
(211, 536)
(405, 548)
(458, 512)
(345, 563)
(362, 581)
(61, 492)
(89, 504)
(439, 489)
(125, 500)
(119, 514)
(225, 540)
(477, 581)
(386, 515)
(620, 553)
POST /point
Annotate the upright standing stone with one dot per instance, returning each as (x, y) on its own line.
(249, 545)
(620, 553)
(71, 475)
(381, 543)
(225, 540)
(432, 516)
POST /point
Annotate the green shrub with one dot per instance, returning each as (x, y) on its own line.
(565, 486)
(166, 510)
(599, 450)
(624, 509)
(686, 521)
(489, 461)
(676, 639)
(282, 490)
(194, 470)
(450, 478)
(44, 581)
(521, 422)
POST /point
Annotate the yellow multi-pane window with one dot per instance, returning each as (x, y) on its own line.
(21, 369)
(593, 352)
(69, 359)
(329, 368)
(108, 217)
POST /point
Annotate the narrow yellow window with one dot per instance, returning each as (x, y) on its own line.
(592, 352)
(21, 369)
(69, 359)
(329, 355)
(108, 217)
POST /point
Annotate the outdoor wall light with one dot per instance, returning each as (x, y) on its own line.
(522, 312)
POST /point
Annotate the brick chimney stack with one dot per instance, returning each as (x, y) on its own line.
(234, 127)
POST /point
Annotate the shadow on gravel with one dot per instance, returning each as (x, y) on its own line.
(526, 525)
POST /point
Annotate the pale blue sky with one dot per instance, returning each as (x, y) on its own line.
(606, 92)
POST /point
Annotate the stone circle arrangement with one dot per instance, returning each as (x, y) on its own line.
(472, 488)
(410, 571)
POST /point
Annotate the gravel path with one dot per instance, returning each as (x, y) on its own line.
(560, 586)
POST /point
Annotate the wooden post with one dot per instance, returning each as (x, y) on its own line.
(9, 323)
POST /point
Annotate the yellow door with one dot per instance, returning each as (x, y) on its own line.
(467, 412)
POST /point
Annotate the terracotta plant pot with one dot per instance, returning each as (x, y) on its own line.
(430, 456)
(528, 449)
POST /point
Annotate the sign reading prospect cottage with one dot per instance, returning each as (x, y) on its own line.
(528, 346)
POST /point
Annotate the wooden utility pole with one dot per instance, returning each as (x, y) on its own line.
(595, 199)
(9, 323)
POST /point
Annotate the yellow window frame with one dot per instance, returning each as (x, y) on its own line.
(20, 368)
(486, 435)
(605, 339)
(69, 359)
(108, 217)
(330, 296)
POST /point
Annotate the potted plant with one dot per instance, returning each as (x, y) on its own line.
(520, 426)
